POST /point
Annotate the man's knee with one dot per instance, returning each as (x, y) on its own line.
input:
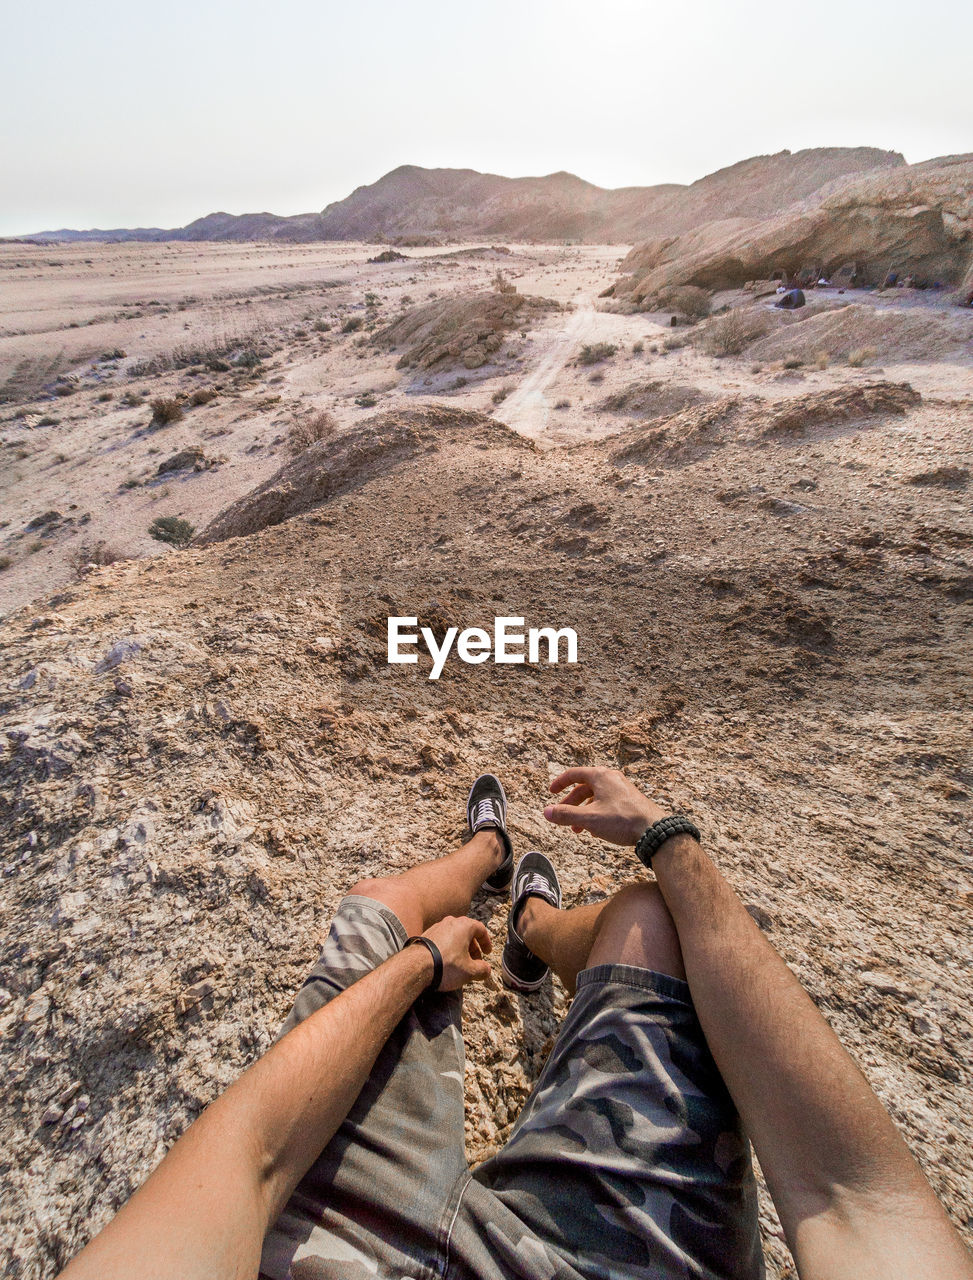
(636, 928)
(394, 893)
(372, 888)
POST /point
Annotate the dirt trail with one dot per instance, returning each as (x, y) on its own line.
(528, 409)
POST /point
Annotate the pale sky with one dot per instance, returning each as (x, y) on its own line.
(128, 114)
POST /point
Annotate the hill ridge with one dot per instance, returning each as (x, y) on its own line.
(458, 204)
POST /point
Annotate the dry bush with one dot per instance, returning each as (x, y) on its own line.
(166, 411)
(822, 360)
(203, 396)
(92, 553)
(687, 299)
(562, 404)
(5, 562)
(674, 342)
(860, 356)
(501, 284)
(596, 352)
(170, 529)
(320, 426)
(731, 333)
(500, 395)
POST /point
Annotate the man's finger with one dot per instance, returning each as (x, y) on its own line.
(579, 795)
(480, 934)
(568, 815)
(572, 775)
(481, 970)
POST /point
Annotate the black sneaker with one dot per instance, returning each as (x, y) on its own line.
(486, 809)
(535, 877)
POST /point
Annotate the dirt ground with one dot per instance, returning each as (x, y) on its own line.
(204, 747)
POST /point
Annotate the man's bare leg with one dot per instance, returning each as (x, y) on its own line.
(443, 887)
(634, 927)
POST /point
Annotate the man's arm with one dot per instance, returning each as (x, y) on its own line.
(852, 1201)
(203, 1213)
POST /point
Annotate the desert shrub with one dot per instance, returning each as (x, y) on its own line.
(500, 395)
(116, 353)
(170, 529)
(372, 299)
(321, 326)
(89, 553)
(596, 352)
(48, 421)
(367, 400)
(205, 395)
(131, 483)
(731, 333)
(104, 397)
(5, 562)
(860, 356)
(352, 324)
(597, 376)
(248, 358)
(792, 362)
(674, 342)
(166, 411)
(501, 283)
(132, 399)
(822, 360)
(638, 348)
(320, 426)
(65, 389)
(688, 300)
(562, 404)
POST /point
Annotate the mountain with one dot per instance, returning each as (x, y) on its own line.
(917, 220)
(461, 204)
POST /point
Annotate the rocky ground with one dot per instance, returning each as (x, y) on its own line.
(771, 579)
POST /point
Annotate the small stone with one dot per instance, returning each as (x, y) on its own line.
(52, 1115)
(65, 1096)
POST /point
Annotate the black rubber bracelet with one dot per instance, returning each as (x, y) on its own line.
(437, 960)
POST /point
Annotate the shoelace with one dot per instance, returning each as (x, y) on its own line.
(485, 811)
(537, 884)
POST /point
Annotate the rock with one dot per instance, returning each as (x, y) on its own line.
(122, 651)
(48, 520)
(192, 996)
(192, 458)
(886, 985)
(38, 1007)
(52, 1115)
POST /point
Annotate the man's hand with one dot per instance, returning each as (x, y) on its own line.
(603, 802)
(463, 942)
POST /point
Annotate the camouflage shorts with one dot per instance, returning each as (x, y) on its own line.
(627, 1160)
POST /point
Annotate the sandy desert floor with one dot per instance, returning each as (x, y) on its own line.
(767, 558)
